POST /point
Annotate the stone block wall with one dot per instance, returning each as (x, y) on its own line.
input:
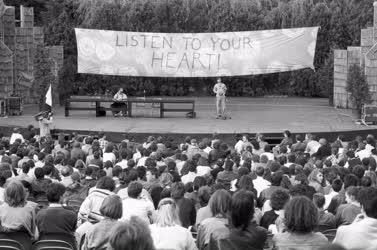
(365, 55)
(17, 53)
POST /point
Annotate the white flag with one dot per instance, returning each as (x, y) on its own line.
(49, 97)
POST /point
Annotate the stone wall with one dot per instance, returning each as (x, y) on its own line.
(365, 56)
(17, 53)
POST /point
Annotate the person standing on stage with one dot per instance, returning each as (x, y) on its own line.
(220, 90)
(44, 124)
(119, 102)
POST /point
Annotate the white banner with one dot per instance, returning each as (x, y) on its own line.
(194, 54)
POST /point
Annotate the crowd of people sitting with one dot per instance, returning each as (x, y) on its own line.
(303, 193)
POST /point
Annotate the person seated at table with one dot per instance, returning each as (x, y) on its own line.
(119, 102)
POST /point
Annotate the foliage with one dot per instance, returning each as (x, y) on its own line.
(357, 85)
(43, 73)
(340, 22)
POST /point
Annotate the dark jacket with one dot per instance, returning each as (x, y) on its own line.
(252, 238)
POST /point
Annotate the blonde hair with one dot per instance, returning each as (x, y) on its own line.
(15, 194)
(167, 214)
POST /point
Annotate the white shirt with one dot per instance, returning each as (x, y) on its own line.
(207, 150)
(188, 177)
(328, 198)
(109, 157)
(182, 238)
(141, 161)
(2, 190)
(122, 164)
(14, 137)
(180, 165)
(219, 89)
(270, 156)
(312, 147)
(261, 184)
(239, 146)
(120, 96)
(39, 164)
(136, 156)
(358, 235)
(137, 207)
(365, 153)
(202, 170)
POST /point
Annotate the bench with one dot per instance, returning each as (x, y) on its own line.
(162, 103)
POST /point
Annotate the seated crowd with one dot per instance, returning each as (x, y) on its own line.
(161, 194)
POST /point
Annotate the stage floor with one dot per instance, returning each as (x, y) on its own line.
(248, 115)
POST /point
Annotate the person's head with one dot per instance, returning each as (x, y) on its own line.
(301, 216)
(319, 200)
(316, 176)
(204, 194)
(25, 167)
(133, 234)
(366, 181)
(15, 194)
(298, 138)
(107, 183)
(109, 148)
(274, 166)
(322, 141)
(220, 202)
(177, 190)
(300, 178)
(116, 171)
(359, 171)
(352, 194)
(337, 185)
(198, 182)
(278, 199)
(54, 192)
(167, 214)
(245, 182)
(368, 200)
(287, 134)
(111, 207)
(39, 173)
(134, 189)
(219, 80)
(259, 171)
(276, 178)
(151, 174)
(242, 209)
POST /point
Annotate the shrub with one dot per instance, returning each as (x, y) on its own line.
(358, 87)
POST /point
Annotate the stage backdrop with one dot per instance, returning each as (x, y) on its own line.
(194, 54)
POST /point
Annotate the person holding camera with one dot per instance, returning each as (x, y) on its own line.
(44, 124)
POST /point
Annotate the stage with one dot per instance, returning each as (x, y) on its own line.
(268, 115)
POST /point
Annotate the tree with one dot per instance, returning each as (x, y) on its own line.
(358, 87)
(43, 74)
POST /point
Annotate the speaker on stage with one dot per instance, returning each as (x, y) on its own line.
(101, 111)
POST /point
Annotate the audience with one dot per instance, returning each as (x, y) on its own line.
(161, 194)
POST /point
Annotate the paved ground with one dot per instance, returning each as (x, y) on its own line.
(265, 115)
